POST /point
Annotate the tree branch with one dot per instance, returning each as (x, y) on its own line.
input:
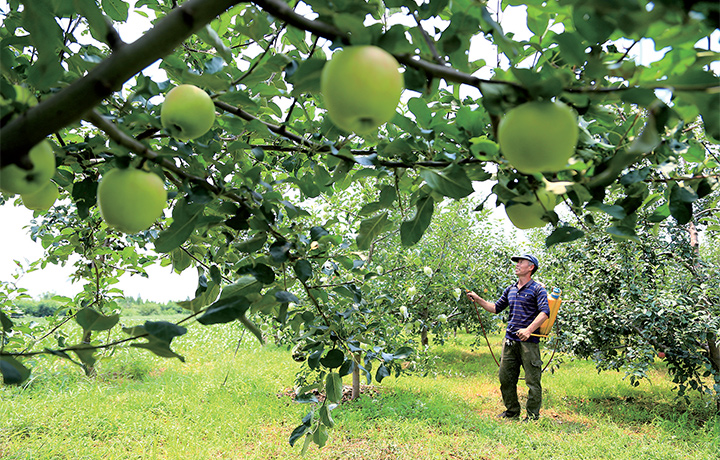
(69, 105)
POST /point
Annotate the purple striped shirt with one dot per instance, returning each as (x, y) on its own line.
(525, 304)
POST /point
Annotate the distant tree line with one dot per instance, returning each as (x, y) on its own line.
(47, 306)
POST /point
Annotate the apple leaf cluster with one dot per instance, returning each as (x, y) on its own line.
(265, 191)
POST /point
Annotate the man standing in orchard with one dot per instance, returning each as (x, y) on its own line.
(528, 303)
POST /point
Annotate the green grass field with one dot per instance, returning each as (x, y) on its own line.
(220, 406)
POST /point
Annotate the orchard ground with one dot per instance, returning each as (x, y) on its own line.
(238, 406)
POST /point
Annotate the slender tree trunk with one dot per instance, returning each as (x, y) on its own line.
(714, 355)
(90, 370)
(424, 332)
(356, 378)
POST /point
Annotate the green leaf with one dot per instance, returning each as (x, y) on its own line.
(381, 373)
(325, 417)
(590, 22)
(305, 78)
(5, 322)
(211, 37)
(252, 327)
(91, 320)
(303, 269)
(624, 233)
(299, 432)
(333, 387)
(95, 18)
(225, 310)
(86, 354)
(46, 36)
(279, 251)
(318, 232)
(285, 296)
(333, 359)
(419, 107)
(252, 244)
(411, 231)
(451, 181)
(563, 235)
(116, 9)
(202, 299)
(185, 219)
(320, 436)
(371, 228)
(164, 330)
(158, 347)
(13, 372)
(84, 194)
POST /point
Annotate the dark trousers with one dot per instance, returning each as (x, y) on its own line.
(527, 355)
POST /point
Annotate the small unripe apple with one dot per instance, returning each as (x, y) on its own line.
(131, 199)
(361, 86)
(530, 215)
(404, 311)
(428, 271)
(25, 96)
(411, 291)
(538, 137)
(14, 179)
(187, 113)
(42, 199)
(458, 293)
(442, 318)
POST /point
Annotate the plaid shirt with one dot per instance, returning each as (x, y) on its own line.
(525, 305)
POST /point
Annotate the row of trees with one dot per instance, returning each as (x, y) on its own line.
(51, 305)
(288, 219)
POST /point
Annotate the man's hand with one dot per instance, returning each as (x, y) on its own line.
(523, 334)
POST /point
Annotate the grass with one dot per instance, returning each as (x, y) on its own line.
(218, 405)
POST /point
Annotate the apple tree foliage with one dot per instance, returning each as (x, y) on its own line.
(247, 197)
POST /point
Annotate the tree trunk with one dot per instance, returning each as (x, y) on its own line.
(714, 355)
(90, 370)
(356, 378)
(424, 332)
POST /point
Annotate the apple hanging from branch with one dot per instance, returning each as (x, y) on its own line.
(131, 199)
(361, 86)
(15, 179)
(187, 112)
(538, 137)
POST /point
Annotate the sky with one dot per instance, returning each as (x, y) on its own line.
(163, 285)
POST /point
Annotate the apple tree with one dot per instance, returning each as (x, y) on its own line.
(246, 197)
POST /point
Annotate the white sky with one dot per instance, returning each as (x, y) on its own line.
(163, 285)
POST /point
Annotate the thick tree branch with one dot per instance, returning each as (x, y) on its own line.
(141, 149)
(69, 105)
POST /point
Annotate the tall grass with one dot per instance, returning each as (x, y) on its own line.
(221, 405)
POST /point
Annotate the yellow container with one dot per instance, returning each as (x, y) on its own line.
(554, 304)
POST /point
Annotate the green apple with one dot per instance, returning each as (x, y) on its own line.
(187, 113)
(458, 293)
(361, 86)
(442, 318)
(404, 311)
(428, 271)
(131, 199)
(42, 199)
(14, 179)
(25, 96)
(529, 210)
(411, 291)
(538, 137)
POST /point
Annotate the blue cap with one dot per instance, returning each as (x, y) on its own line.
(529, 257)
